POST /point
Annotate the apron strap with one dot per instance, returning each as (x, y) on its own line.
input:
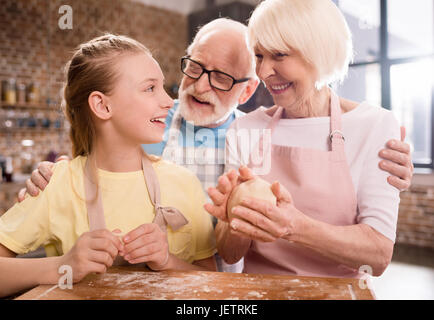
(95, 209)
(163, 215)
(275, 119)
(336, 136)
(259, 147)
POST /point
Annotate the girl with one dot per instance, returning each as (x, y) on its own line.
(115, 101)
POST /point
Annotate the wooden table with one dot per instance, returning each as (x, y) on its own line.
(129, 283)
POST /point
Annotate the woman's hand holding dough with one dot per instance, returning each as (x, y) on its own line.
(220, 194)
(261, 220)
(255, 188)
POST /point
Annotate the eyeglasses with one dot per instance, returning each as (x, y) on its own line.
(217, 79)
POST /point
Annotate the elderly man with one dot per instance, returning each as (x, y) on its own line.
(218, 76)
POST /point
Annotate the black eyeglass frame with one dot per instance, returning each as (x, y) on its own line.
(204, 70)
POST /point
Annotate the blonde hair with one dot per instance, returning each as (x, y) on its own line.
(316, 29)
(91, 68)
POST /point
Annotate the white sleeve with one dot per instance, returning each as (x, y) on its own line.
(377, 200)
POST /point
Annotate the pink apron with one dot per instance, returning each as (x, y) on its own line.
(163, 215)
(321, 187)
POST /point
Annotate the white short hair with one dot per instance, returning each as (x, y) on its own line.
(314, 28)
(236, 27)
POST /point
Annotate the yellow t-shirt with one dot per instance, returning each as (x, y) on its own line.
(58, 215)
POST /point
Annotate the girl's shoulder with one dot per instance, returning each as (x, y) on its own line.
(74, 164)
(67, 169)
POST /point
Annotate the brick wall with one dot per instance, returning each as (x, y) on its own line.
(416, 215)
(34, 48)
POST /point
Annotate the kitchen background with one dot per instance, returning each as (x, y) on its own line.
(393, 67)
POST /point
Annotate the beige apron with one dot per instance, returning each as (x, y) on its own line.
(163, 215)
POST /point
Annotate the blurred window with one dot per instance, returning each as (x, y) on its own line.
(394, 65)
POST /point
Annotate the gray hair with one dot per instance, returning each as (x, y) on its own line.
(225, 24)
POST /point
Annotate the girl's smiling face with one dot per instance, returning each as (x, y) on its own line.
(139, 102)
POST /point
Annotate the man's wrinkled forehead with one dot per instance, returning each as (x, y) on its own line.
(222, 50)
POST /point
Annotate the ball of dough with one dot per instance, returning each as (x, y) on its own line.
(256, 188)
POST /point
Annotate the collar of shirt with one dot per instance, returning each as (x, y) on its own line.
(198, 136)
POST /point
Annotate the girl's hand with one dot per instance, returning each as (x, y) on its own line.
(147, 243)
(220, 194)
(94, 251)
(266, 222)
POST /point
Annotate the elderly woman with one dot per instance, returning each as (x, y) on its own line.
(335, 211)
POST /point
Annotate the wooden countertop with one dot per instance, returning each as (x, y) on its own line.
(129, 283)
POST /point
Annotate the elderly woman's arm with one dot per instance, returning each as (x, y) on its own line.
(353, 246)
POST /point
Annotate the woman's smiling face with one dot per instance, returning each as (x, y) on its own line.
(287, 76)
